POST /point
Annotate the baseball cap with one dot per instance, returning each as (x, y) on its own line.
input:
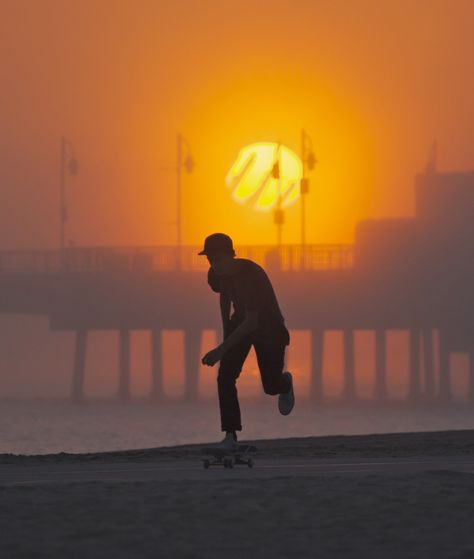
(218, 243)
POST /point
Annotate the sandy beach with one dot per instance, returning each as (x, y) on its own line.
(395, 495)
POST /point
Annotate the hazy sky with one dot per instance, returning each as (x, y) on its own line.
(373, 82)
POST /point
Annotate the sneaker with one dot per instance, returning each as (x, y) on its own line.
(228, 443)
(286, 401)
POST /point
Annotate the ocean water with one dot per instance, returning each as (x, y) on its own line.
(48, 426)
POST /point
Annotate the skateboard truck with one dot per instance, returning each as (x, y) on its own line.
(229, 458)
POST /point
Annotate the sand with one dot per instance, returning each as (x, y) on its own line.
(383, 496)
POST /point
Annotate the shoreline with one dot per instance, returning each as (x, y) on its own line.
(377, 445)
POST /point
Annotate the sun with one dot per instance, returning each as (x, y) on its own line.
(252, 178)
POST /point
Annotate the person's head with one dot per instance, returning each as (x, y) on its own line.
(220, 253)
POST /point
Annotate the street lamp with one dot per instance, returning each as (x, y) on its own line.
(68, 166)
(278, 213)
(309, 161)
(186, 162)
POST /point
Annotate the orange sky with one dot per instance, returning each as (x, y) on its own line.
(374, 83)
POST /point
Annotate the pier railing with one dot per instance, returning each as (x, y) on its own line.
(170, 258)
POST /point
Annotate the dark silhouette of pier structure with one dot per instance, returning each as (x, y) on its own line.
(414, 274)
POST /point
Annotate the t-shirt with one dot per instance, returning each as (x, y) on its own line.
(250, 289)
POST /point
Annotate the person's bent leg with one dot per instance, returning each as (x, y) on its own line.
(271, 360)
(229, 370)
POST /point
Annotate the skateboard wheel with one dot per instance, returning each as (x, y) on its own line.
(206, 464)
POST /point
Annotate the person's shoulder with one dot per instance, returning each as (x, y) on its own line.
(251, 268)
(250, 265)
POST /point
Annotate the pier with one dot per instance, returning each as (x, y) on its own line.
(414, 274)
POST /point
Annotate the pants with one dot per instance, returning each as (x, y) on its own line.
(270, 359)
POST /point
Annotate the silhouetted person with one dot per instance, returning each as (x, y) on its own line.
(256, 320)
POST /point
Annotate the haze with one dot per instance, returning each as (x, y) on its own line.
(374, 84)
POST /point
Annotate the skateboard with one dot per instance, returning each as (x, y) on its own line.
(228, 458)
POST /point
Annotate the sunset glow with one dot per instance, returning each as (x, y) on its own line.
(373, 84)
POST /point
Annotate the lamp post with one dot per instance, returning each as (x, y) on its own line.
(186, 162)
(308, 161)
(68, 165)
(278, 213)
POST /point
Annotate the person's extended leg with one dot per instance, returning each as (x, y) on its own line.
(271, 358)
(229, 370)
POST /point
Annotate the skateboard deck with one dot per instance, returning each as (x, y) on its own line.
(240, 455)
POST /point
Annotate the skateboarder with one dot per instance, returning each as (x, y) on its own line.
(256, 320)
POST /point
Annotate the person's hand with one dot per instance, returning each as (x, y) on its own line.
(212, 357)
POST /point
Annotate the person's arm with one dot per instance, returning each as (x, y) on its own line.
(249, 324)
(250, 292)
(225, 312)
